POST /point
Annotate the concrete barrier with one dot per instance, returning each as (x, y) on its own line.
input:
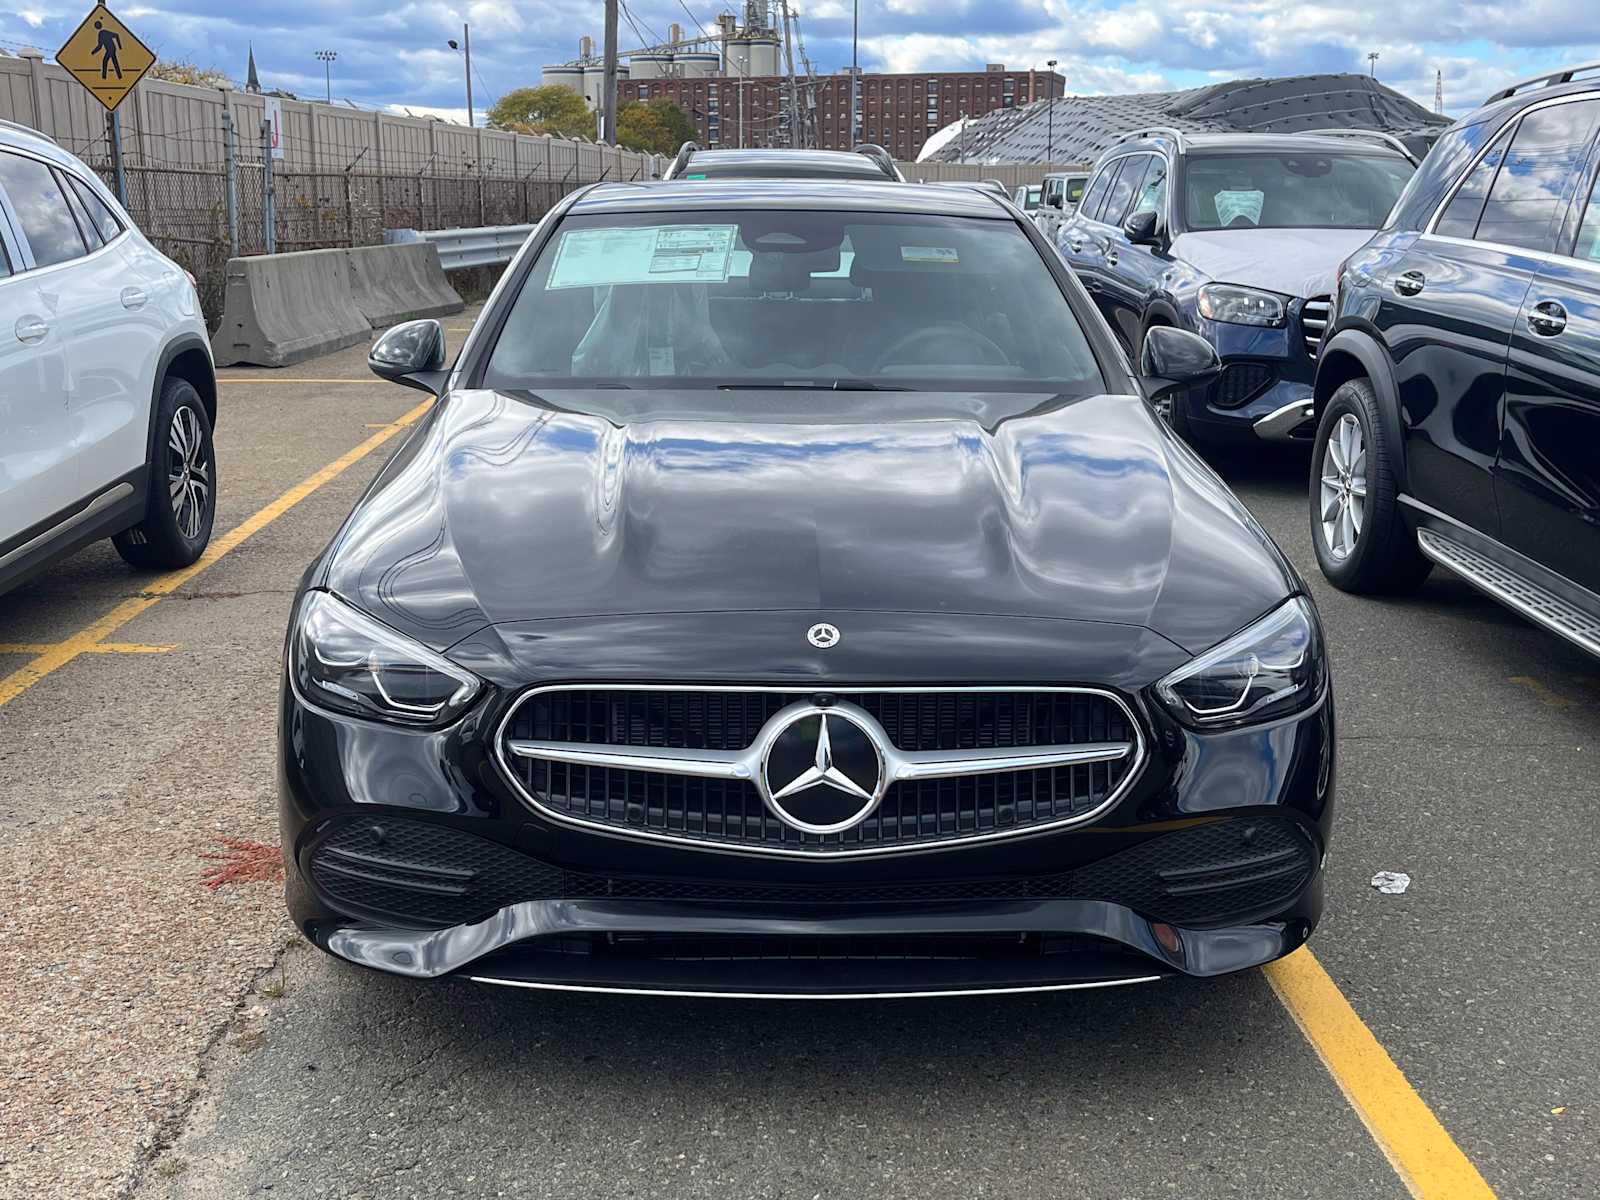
(400, 283)
(279, 309)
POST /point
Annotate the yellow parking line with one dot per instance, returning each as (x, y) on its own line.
(1417, 1146)
(53, 658)
(98, 648)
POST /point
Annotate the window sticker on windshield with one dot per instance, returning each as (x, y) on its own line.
(937, 254)
(1240, 204)
(675, 254)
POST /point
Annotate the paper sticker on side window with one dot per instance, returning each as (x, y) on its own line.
(673, 254)
(929, 254)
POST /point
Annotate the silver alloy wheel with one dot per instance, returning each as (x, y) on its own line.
(188, 472)
(1343, 472)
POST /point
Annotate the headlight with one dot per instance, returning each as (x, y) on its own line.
(345, 661)
(1240, 305)
(1273, 668)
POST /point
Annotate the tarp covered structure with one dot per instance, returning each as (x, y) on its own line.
(1084, 126)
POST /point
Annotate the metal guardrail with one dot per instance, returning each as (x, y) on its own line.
(459, 249)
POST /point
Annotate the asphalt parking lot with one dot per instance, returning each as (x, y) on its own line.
(166, 1038)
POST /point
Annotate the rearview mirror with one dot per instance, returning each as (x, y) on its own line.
(411, 354)
(1140, 229)
(1173, 359)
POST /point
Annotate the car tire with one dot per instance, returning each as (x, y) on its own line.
(1362, 542)
(181, 500)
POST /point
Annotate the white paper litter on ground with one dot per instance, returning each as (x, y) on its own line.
(1391, 883)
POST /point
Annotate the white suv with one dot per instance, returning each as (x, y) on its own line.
(107, 392)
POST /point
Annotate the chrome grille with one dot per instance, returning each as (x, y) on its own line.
(674, 763)
(1314, 314)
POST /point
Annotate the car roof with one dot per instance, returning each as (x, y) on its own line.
(23, 137)
(838, 162)
(875, 194)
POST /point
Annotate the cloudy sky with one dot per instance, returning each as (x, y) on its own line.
(393, 52)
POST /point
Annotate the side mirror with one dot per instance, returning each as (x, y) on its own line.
(1175, 359)
(1140, 229)
(411, 354)
(1053, 201)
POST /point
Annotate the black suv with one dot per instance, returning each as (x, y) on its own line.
(1235, 236)
(1458, 392)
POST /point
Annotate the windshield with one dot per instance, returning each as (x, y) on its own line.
(1291, 191)
(759, 298)
(1030, 197)
(1075, 188)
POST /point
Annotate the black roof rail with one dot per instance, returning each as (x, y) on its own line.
(1371, 135)
(1174, 135)
(685, 152)
(883, 158)
(1554, 79)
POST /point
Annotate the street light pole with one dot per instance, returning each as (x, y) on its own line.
(326, 57)
(1372, 63)
(1050, 125)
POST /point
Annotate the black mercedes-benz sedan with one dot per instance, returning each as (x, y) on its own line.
(794, 593)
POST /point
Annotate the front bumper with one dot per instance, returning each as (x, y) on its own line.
(410, 852)
(1266, 395)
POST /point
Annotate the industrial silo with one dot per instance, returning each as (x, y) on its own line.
(697, 64)
(594, 83)
(561, 75)
(763, 54)
(738, 49)
(653, 65)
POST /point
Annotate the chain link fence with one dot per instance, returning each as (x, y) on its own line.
(187, 213)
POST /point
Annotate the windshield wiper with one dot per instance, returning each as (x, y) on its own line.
(810, 385)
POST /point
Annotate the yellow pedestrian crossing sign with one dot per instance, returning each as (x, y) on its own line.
(104, 55)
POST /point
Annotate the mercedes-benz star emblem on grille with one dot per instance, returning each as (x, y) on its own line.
(823, 771)
(823, 635)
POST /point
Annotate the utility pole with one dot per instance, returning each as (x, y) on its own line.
(794, 86)
(1438, 92)
(855, 71)
(1372, 63)
(1050, 125)
(326, 57)
(608, 119)
(465, 46)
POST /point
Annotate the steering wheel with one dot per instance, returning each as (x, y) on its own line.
(944, 331)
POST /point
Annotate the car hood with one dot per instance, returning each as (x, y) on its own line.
(514, 507)
(1292, 262)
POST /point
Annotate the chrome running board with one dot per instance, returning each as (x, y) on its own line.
(1514, 590)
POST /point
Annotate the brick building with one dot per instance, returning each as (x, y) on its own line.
(898, 112)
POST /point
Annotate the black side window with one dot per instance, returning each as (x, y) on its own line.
(91, 235)
(1460, 217)
(41, 209)
(1122, 189)
(1530, 195)
(1090, 204)
(104, 219)
(1588, 247)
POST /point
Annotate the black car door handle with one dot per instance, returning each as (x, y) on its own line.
(1111, 258)
(1410, 283)
(1547, 318)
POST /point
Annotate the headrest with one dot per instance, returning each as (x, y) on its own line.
(779, 273)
